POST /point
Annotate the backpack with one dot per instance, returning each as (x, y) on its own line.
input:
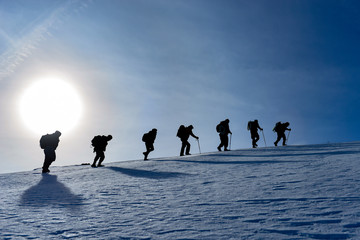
(95, 141)
(145, 137)
(277, 126)
(44, 140)
(181, 131)
(220, 128)
(249, 125)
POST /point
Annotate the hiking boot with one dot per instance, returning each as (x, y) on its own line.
(275, 143)
(45, 171)
(226, 149)
(219, 149)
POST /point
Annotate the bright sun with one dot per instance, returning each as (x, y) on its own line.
(49, 105)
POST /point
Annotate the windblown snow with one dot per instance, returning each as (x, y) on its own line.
(292, 192)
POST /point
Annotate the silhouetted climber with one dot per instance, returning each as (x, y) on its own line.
(184, 134)
(223, 129)
(49, 143)
(280, 129)
(99, 143)
(253, 127)
(149, 139)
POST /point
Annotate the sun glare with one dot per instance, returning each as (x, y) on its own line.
(49, 105)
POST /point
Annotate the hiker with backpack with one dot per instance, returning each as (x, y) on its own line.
(149, 139)
(99, 143)
(253, 127)
(184, 133)
(280, 129)
(223, 129)
(49, 143)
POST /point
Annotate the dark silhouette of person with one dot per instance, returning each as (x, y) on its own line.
(253, 127)
(149, 139)
(99, 143)
(280, 129)
(223, 129)
(49, 143)
(184, 133)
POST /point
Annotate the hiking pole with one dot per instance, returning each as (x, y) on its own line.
(199, 145)
(287, 139)
(264, 137)
(230, 141)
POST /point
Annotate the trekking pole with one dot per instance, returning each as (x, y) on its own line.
(287, 139)
(199, 145)
(230, 141)
(264, 137)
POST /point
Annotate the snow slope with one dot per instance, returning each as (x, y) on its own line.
(293, 192)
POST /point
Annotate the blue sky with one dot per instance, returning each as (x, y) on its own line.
(143, 64)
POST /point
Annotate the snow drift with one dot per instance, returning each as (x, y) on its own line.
(293, 192)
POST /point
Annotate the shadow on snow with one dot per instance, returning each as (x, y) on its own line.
(232, 162)
(331, 153)
(146, 173)
(49, 191)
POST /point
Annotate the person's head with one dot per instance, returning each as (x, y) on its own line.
(57, 133)
(191, 127)
(287, 124)
(154, 130)
(227, 120)
(256, 120)
(109, 137)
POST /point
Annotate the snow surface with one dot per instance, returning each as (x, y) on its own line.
(293, 192)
